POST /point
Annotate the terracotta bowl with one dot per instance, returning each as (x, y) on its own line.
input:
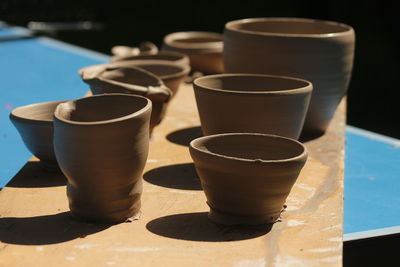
(247, 177)
(35, 125)
(170, 73)
(106, 79)
(319, 51)
(203, 48)
(175, 57)
(252, 103)
(101, 143)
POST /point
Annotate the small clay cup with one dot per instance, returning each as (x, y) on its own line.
(319, 51)
(170, 73)
(203, 48)
(106, 78)
(247, 177)
(101, 144)
(252, 103)
(35, 125)
(174, 57)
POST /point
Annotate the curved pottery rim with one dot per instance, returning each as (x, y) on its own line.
(131, 115)
(183, 69)
(32, 120)
(231, 27)
(209, 47)
(307, 88)
(194, 145)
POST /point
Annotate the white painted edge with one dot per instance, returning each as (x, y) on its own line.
(372, 135)
(371, 233)
(74, 49)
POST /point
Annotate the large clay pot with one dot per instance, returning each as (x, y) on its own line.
(319, 51)
(171, 56)
(203, 48)
(101, 144)
(170, 73)
(35, 125)
(247, 177)
(254, 103)
(106, 78)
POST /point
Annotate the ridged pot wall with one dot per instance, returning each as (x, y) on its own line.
(319, 51)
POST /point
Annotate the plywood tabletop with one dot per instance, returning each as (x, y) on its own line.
(173, 230)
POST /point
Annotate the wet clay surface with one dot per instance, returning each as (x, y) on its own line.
(173, 225)
(101, 143)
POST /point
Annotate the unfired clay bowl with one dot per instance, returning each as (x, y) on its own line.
(35, 125)
(203, 48)
(319, 51)
(247, 177)
(252, 103)
(105, 79)
(170, 73)
(175, 57)
(101, 144)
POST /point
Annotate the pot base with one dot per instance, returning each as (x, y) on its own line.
(105, 220)
(232, 219)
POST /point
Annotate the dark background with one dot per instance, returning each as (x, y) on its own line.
(372, 97)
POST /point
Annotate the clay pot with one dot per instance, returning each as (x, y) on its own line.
(252, 103)
(247, 177)
(101, 144)
(35, 125)
(171, 74)
(105, 79)
(203, 48)
(145, 48)
(175, 57)
(319, 51)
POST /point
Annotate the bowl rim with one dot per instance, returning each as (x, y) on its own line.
(31, 120)
(230, 26)
(101, 122)
(195, 143)
(170, 41)
(308, 87)
(179, 57)
(183, 69)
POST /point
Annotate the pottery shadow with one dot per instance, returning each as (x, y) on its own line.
(177, 176)
(306, 137)
(184, 136)
(47, 229)
(197, 227)
(34, 175)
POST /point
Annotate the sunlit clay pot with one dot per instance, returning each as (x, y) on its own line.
(252, 103)
(170, 73)
(101, 144)
(319, 51)
(203, 48)
(105, 79)
(35, 125)
(247, 177)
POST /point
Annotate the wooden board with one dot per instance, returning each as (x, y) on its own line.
(35, 229)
